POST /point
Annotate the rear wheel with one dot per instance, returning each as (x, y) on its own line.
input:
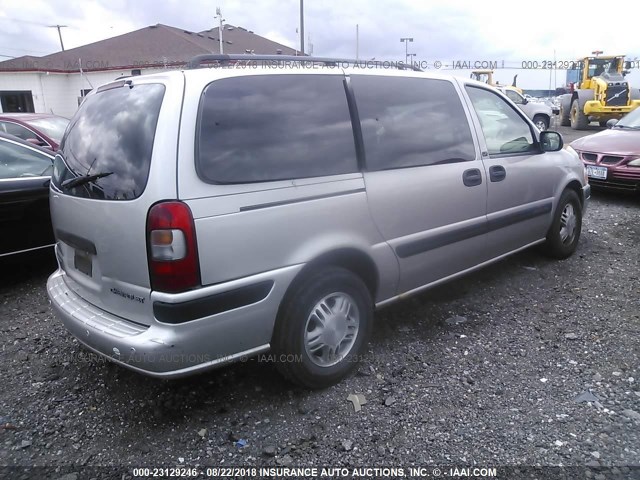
(565, 115)
(541, 121)
(323, 328)
(563, 236)
(603, 123)
(579, 120)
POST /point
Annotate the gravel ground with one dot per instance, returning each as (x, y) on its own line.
(485, 371)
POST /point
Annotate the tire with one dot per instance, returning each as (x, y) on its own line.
(304, 357)
(603, 123)
(579, 120)
(565, 115)
(561, 242)
(541, 121)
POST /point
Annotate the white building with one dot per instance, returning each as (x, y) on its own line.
(56, 83)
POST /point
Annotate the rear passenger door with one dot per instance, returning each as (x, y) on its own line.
(425, 181)
(521, 179)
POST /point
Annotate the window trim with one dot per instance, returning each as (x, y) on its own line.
(356, 127)
(520, 113)
(198, 130)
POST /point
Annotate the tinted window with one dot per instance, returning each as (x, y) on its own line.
(17, 161)
(407, 122)
(504, 130)
(515, 97)
(19, 131)
(261, 128)
(54, 127)
(113, 133)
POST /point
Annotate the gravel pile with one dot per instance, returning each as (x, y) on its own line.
(528, 362)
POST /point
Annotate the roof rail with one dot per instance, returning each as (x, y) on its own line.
(196, 62)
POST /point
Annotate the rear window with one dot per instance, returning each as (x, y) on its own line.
(112, 135)
(263, 128)
(53, 127)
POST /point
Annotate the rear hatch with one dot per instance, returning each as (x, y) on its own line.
(117, 159)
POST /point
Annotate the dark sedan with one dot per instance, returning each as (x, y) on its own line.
(612, 157)
(40, 129)
(25, 171)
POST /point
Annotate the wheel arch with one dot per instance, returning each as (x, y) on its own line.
(583, 96)
(351, 258)
(576, 186)
(542, 114)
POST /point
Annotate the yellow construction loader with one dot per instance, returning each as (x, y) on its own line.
(600, 94)
(486, 76)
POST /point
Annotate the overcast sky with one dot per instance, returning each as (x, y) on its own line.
(464, 30)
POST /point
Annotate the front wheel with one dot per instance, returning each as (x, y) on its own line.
(541, 121)
(323, 328)
(579, 120)
(562, 238)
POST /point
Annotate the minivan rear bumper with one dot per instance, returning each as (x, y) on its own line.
(169, 350)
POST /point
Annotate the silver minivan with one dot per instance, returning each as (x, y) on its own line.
(272, 203)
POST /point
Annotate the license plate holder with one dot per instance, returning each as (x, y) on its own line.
(597, 172)
(83, 262)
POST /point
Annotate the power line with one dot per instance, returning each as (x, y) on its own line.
(9, 19)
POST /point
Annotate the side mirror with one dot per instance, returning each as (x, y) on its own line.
(628, 65)
(524, 101)
(551, 141)
(612, 122)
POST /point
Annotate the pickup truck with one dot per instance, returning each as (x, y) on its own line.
(539, 112)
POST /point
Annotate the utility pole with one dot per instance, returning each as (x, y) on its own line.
(406, 41)
(59, 33)
(219, 15)
(302, 27)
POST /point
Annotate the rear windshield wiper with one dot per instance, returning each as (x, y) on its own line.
(74, 182)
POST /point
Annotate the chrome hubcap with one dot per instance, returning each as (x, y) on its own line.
(567, 224)
(331, 329)
(541, 125)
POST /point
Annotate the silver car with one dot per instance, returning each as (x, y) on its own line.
(212, 214)
(539, 112)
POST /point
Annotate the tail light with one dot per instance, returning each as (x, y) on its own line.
(172, 250)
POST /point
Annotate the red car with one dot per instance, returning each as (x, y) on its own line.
(612, 157)
(40, 129)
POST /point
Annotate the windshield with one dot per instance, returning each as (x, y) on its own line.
(631, 120)
(53, 127)
(598, 66)
(112, 132)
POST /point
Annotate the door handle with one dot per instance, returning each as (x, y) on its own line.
(497, 173)
(472, 177)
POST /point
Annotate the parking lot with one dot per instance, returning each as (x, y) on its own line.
(485, 370)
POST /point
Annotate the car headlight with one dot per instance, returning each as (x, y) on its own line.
(570, 149)
(634, 163)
